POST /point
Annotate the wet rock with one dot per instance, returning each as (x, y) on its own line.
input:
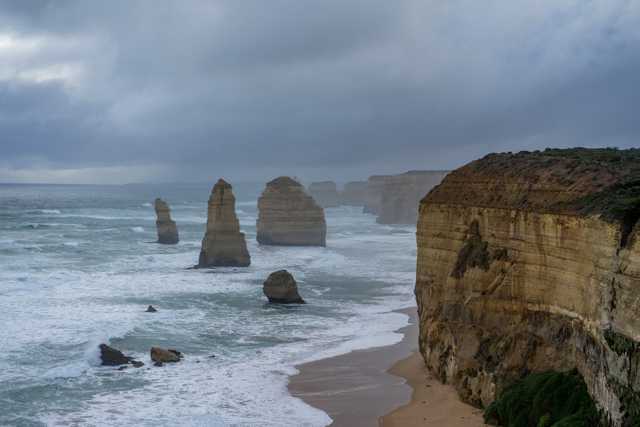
(162, 355)
(151, 309)
(113, 357)
(167, 229)
(280, 287)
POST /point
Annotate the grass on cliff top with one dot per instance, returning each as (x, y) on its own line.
(548, 399)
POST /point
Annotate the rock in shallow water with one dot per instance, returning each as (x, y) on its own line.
(280, 287)
(167, 229)
(110, 356)
(223, 244)
(151, 309)
(161, 355)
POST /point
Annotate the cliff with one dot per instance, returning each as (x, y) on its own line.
(166, 227)
(354, 193)
(288, 216)
(530, 262)
(325, 193)
(223, 243)
(401, 194)
(373, 194)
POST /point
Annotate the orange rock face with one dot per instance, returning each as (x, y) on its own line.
(531, 262)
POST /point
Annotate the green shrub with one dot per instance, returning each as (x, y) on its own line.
(548, 399)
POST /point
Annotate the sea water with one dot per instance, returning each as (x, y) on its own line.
(79, 266)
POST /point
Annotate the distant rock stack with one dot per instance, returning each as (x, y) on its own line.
(373, 194)
(401, 194)
(354, 193)
(167, 229)
(288, 216)
(325, 193)
(223, 244)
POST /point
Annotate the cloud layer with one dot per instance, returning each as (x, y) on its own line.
(193, 90)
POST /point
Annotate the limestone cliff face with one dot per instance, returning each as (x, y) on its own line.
(354, 193)
(401, 194)
(166, 227)
(223, 243)
(325, 193)
(530, 262)
(288, 216)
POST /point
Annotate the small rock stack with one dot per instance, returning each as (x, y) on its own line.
(167, 229)
(223, 244)
(280, 287)
(288, 216)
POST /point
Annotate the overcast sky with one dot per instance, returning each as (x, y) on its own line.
(155, 91)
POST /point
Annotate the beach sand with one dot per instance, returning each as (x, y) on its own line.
(384, 386)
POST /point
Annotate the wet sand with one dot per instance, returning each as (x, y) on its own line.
(383, 386)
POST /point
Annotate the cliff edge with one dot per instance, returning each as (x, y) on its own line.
(530, 262)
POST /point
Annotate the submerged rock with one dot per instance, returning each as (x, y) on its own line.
(151, 309)
(288, 216)
(280, 287)
(110, 356)
(325, 193)
(223, 244)
(161, 355)
(167, 229)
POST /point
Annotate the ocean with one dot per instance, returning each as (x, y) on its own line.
(79, 266)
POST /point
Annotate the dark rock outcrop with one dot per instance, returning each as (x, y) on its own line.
(151, 309)
(167, 229)
(223, 244)
(354, 193)
(110, 356)
(288, 216)
(528, 263)
(325, 193)
(280, 287)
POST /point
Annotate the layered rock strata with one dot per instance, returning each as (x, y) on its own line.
(401, 194)
(288, 216)
(280, 287)
(325, 193)
(530, 262)
(167, 229)
(354, 193)
(223, 244)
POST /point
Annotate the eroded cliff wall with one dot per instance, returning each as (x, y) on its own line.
(531, 262)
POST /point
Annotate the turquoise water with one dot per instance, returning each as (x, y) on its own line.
(78, 267)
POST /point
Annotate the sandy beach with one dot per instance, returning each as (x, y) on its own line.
(384, 386)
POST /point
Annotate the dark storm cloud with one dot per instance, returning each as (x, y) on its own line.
(318, 88)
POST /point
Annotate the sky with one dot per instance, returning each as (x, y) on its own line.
(163, 91)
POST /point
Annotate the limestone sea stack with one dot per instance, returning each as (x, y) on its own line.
(325, 193)
(530, 262)
(354, 193)
(373, 194)
(223, 244)
(288, 216)
(167, 229)
(280, 287)
(401, 194)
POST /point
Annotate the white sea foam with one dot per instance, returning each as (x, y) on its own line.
(137, 229)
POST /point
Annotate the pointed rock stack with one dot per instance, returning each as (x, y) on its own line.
(167, 229)
(288, 216)
(223, 244)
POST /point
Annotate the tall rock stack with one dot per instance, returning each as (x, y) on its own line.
(373, 195)
(354, 193)
(288, 216)
(223, 244)
(530, 262)
(325, 193)
(401, 194)
(167, 229)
